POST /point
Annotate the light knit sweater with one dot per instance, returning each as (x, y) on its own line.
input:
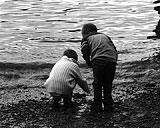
(64, 76)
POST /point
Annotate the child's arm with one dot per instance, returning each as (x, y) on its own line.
(86, 51)
(82, 83)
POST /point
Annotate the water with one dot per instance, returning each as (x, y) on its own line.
(40, 30)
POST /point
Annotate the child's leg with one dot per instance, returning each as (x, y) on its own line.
(97, 93)
(56, 99)
(107, 86)
(98, 70)
(67, 102)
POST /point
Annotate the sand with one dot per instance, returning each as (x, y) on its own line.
(24, 101)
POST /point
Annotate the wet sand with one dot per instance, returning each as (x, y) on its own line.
(24, 101)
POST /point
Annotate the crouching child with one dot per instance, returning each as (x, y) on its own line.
(63, 78)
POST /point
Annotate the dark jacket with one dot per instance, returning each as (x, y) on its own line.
(98, 46)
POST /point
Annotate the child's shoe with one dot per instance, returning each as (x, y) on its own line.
(96, 108)
(68, 103)
(108, 108)
(56, 102)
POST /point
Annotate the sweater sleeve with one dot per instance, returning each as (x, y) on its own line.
(85, 51)
(82, 83)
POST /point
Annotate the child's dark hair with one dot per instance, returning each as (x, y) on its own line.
(71, 54)
(89, 27)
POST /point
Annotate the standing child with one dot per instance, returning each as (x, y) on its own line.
(100, 53)
(63, 78)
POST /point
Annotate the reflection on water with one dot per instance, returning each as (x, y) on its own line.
(37, 30)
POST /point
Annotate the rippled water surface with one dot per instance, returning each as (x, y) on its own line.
(39, 30)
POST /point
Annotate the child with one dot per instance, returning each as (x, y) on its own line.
(99, 53)
(63, 78)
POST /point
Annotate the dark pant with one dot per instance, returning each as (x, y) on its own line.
(103, 73)
(57, 98)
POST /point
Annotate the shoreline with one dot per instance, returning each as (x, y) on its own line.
(24, 101)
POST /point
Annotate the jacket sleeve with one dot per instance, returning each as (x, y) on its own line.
(85, 51)
(82, 83)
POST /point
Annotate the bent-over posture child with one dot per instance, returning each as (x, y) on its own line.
(63, 78)
(100, 53)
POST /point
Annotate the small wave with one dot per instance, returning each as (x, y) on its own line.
(57, 40)
(30, 65)
(10, 75)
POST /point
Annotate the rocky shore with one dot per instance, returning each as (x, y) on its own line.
(24, 102)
